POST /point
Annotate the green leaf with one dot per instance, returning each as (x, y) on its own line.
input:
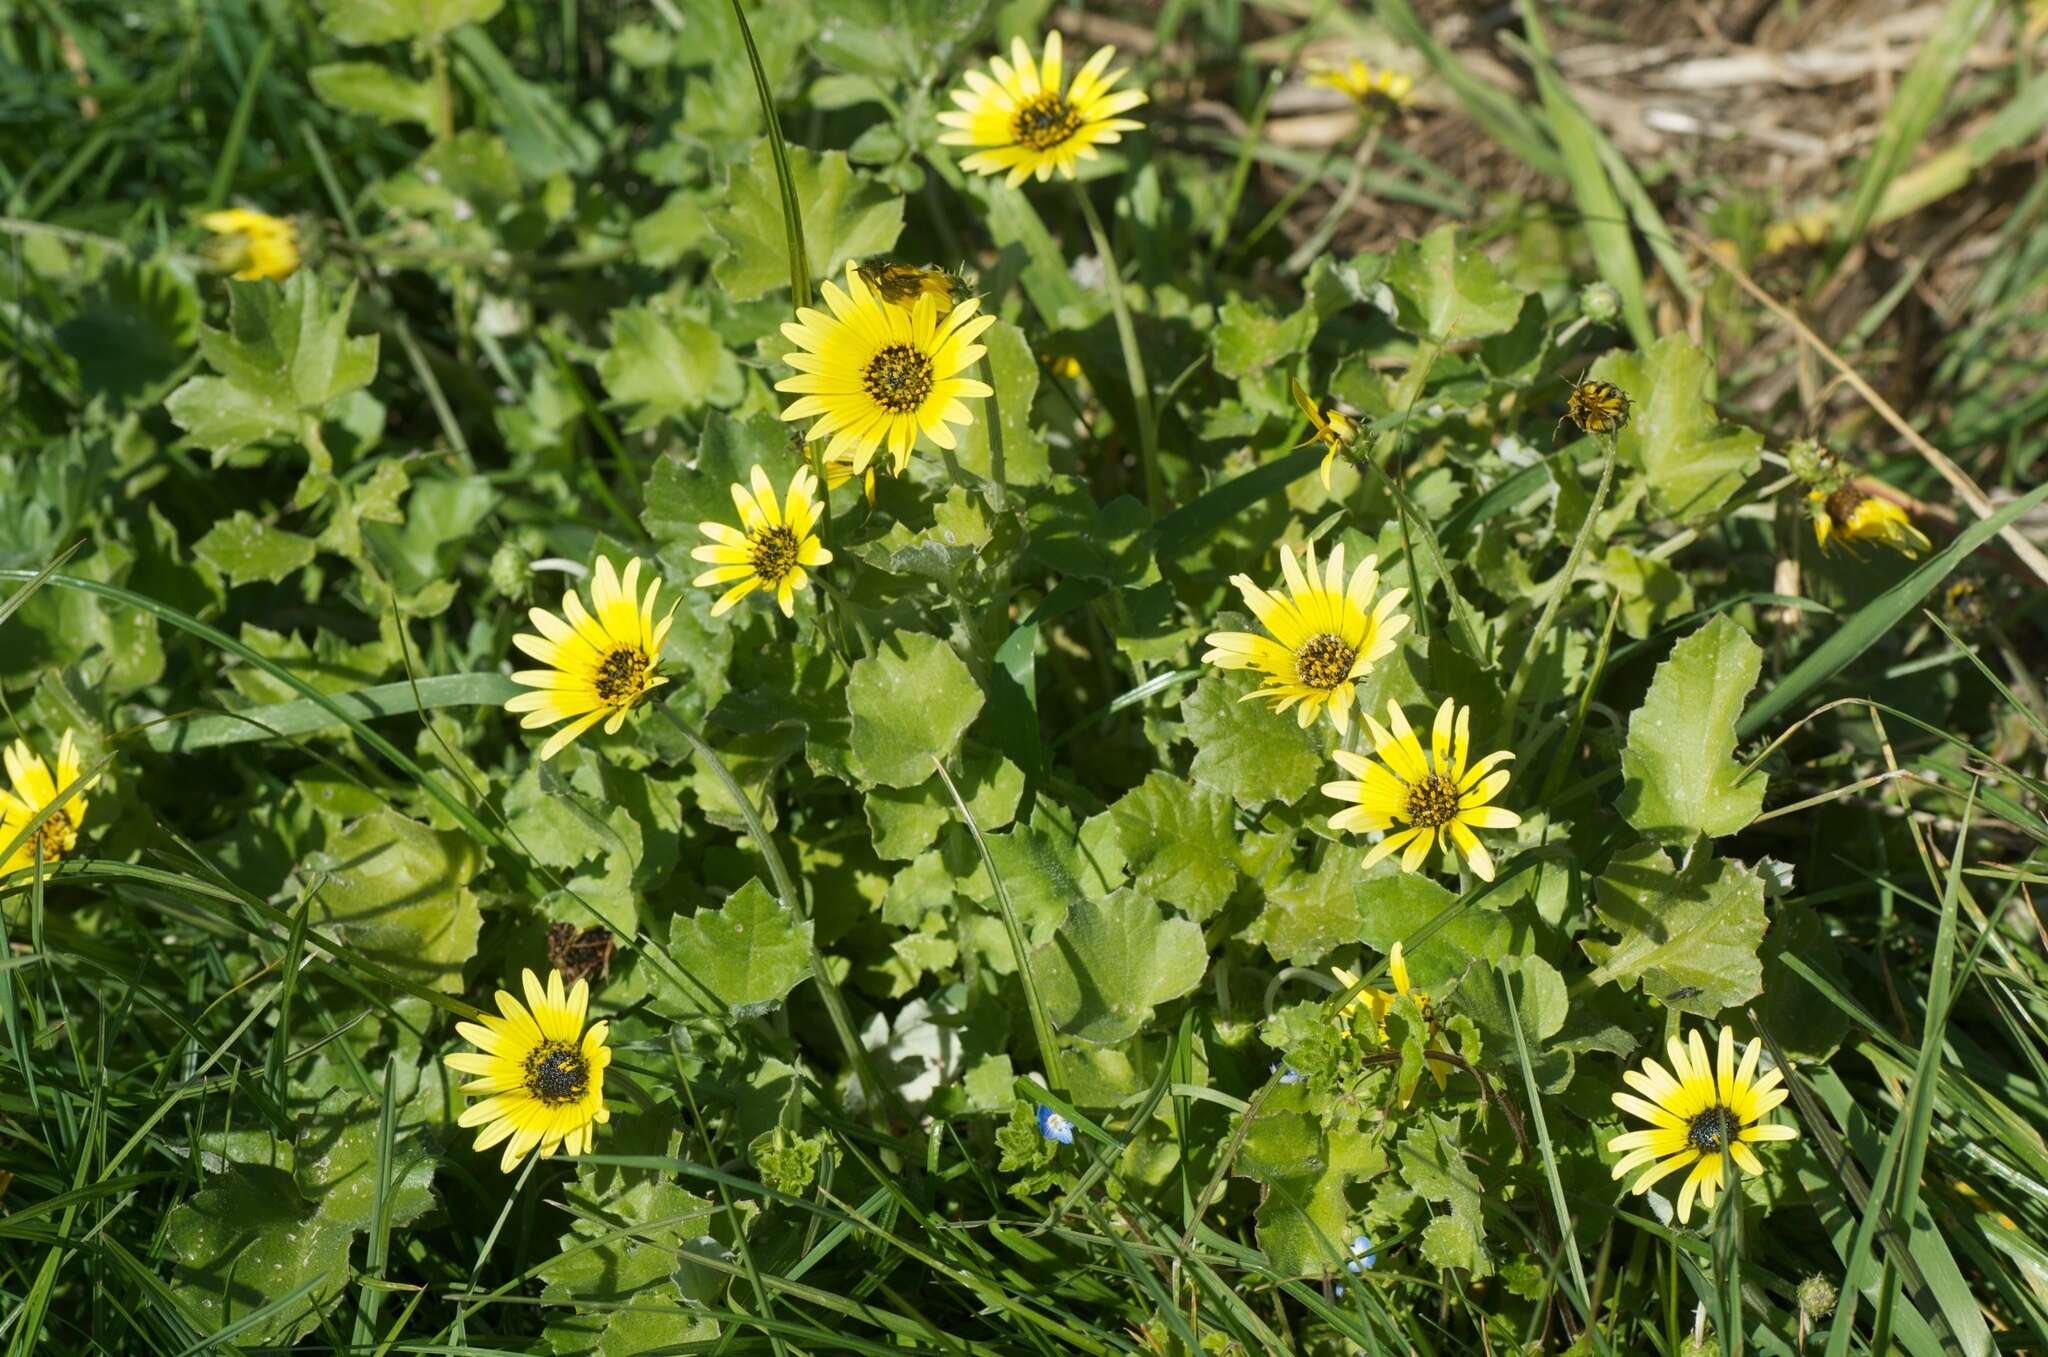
(907, 822)
(1680, 778)
(1311, 913)
(373, 90)
(666, 360)
(618, 1297)
(910, 701)
(1431, 1163)
(356, 23)
(1689, 937)
(1305, 1219)
(1691, 460)
(1445, 293)
(846, 215)
(244, 549)
(1113, 962)
(1013, 370)
(133, 330)
(398, 892)
(249, 1239)
(1050, 866)
(1249, 338)
(740, 959)
(1395, 908)
(1181, 842)
(1246, 750)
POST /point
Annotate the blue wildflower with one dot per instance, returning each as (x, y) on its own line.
(1292, 1076)
(1362, 1256)
(1053, 1126)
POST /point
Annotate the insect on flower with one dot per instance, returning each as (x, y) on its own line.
(1596, 408)
(902, 284)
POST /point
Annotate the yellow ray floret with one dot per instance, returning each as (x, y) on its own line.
(1850, 517)
(540, 1075)
(871, 373)
(1701, 1116)
(771, 548)
(1377, 1003)
(1376, 92)
(600, 660)
(33, 787)
(1325, 635)
(1333, 429)
(1028, 123)
(1424, 798)
(253, 244)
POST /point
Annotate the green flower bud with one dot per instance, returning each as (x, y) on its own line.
(1599, 303)
(1816, 1298)
(511, 575)
(1813, 463)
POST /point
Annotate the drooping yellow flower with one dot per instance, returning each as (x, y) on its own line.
(252, 244)
(1376, 92)
(1849, 516)
(1032, 125)
(1377, 1003)
(1701, 1116)
(772, 546)
(1333, 428)
(1326, 635)
(1436, 796)
(1596, 408)
(543, 1074)
(873, 373)
(35, 787)
(902, 284)
(601, 660)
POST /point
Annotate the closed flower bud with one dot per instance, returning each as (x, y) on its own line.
(1599, 303)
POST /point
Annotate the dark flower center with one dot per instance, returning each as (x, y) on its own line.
(1598, 407)
(774, 554)
(622, 676)
(1433, 802)
(557, 1073)
(1044, 121)
(898, 379)
(1712, 1131)
(56, 838)
(1843, 504)
(1323, 661)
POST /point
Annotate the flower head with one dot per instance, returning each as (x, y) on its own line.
(252, 244)
(1850, 517)
(34, 788)
(1597, 407)
(1378, 93)
(542, 1072)
(1437, 797)
(873, 372)
(1031, 124)
(902, 284)
(771, 547)
(1362, 1255)
(1377, 1003)
(1326, 634)
(1053, 1126)
(1333, 429)
(600, 660)
(1701, 1116)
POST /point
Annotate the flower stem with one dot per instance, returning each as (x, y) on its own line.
(444, 93)
(1134, 361)
(1563, 586)
(1319, 239)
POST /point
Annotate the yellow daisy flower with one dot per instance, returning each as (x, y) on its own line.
(252, 244)
(770, 548)
(1849, 516)
(1333, 428)
(1326, 635)
(1377, 93)
(902, 284)
(34, 787)
(1701, 1117)
(1436, 795)
(1378, 1003)
(543, 1074)
(874, 373)
(600, 660)
(1032, 125)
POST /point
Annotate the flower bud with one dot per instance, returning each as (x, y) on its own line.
(1599, 303)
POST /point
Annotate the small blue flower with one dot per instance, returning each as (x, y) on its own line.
(1362, 1256)
(1292, 1076)
(1053, 1126)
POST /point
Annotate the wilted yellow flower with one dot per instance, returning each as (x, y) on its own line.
(1378, 1003)
(873, 373)
(1376, 92)
(1703, 1116)
(1850, 517)
(1333, 428)
(1030, 124)
(1436, 795)
(35, 787)
(1597, 407)
(601, 660)
(772, 546)
(1326, 635)
(543, 1073)
(252, 244)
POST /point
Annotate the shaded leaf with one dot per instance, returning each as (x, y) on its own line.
(1689, 936)
(1113, 962)
(846, 215)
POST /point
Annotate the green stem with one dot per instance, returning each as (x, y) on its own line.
(1563, 586)
(1305, 253)
(872, 1088)
(444, 94)
(1134, 361)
